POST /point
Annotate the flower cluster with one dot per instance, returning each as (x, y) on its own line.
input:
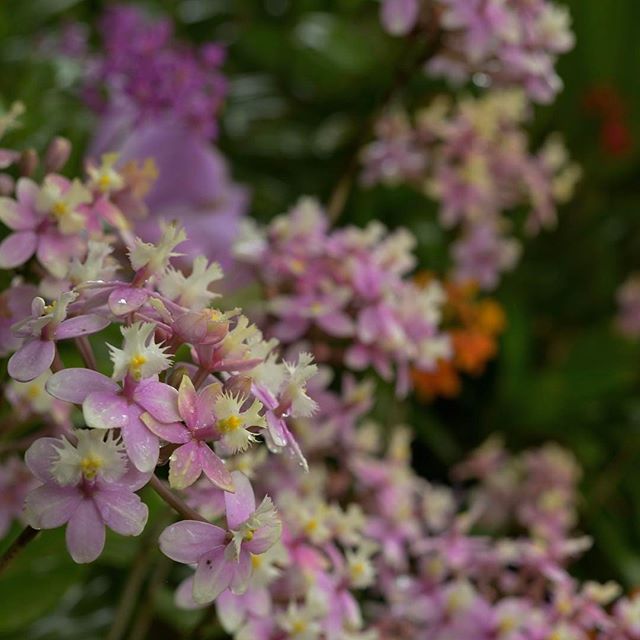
(158, 100)
(192, 385)
(474, 324)
(472, 157)
(156, 76)
(495, 43)
(347, 292)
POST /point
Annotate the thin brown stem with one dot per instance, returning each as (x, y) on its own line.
(26, 536)
(176, 503)
(411, 59)
(86, 351)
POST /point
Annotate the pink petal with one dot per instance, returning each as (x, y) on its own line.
(212, 577)
(142, 446)
(85, 533)
(241, 504)
(276, 429)
(55, 249)
(336, 323)
(17, 248)
(13, 215)
(74, 385)
(50, 506)
(184, 595)
(188, 401)
(122, 511)
(174, 432)
(32, 359)
(214, 469)
(185, 467)
(81, 326)
(124, 300)
(27, 193)
(189, 540)
(105, 410)
(134, 479)
(242, 573)
(231, 611)
(399, 16)
(159, 399)
(40, 456)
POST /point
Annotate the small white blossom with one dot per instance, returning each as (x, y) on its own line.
(192, 291)
(155, 257)
(141, 356)
(105, 178)
(96, 454)
(234, 423)
(64, 205)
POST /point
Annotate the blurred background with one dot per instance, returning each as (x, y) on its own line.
(305, 77)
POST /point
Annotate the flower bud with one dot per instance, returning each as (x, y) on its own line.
(57, 154)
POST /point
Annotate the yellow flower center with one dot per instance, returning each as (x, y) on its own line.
(33, 391)
(60, 209)
(299, 626)
(310, 526)
(105, 182)
(248, 536)
(136, 365)
(50, 308)
(227, 425)
(256, 561)
(90, 467)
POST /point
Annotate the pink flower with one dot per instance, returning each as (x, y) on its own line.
(87, 487)
(199, 424)
(108, 406)
(47, 324)
(223, 557)
(399, 16)
(45, 221)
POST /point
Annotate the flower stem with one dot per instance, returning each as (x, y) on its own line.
(26, 536)
(176, 503)
(411, 59)
(86, 351)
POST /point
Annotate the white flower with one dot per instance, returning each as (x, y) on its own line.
(32, 393)
(98, 265)
(105, 178)
(96, 454)
(264, 521)
(192, 291)
(294, 391)
(63, 206)
(299, 622)
(234, 424)
(360, 568)
(155, 257)
(250, 243)
(140, 356)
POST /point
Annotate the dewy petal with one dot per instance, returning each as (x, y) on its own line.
(40, 456)
(188, 401)
(184, 467)
(125, 300)
(242, 573)
(215, 469)
(85, 533)
(105, 410)
(81, 326)
(17, 248)
(50, 506)
(212, 577)
(189, 540)
(276, 430)
(32, 359)
(142, 446)
(74, 385)
(174, 432)
(158, 399)
(122, 511)
(241, 504)
(134, 479)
